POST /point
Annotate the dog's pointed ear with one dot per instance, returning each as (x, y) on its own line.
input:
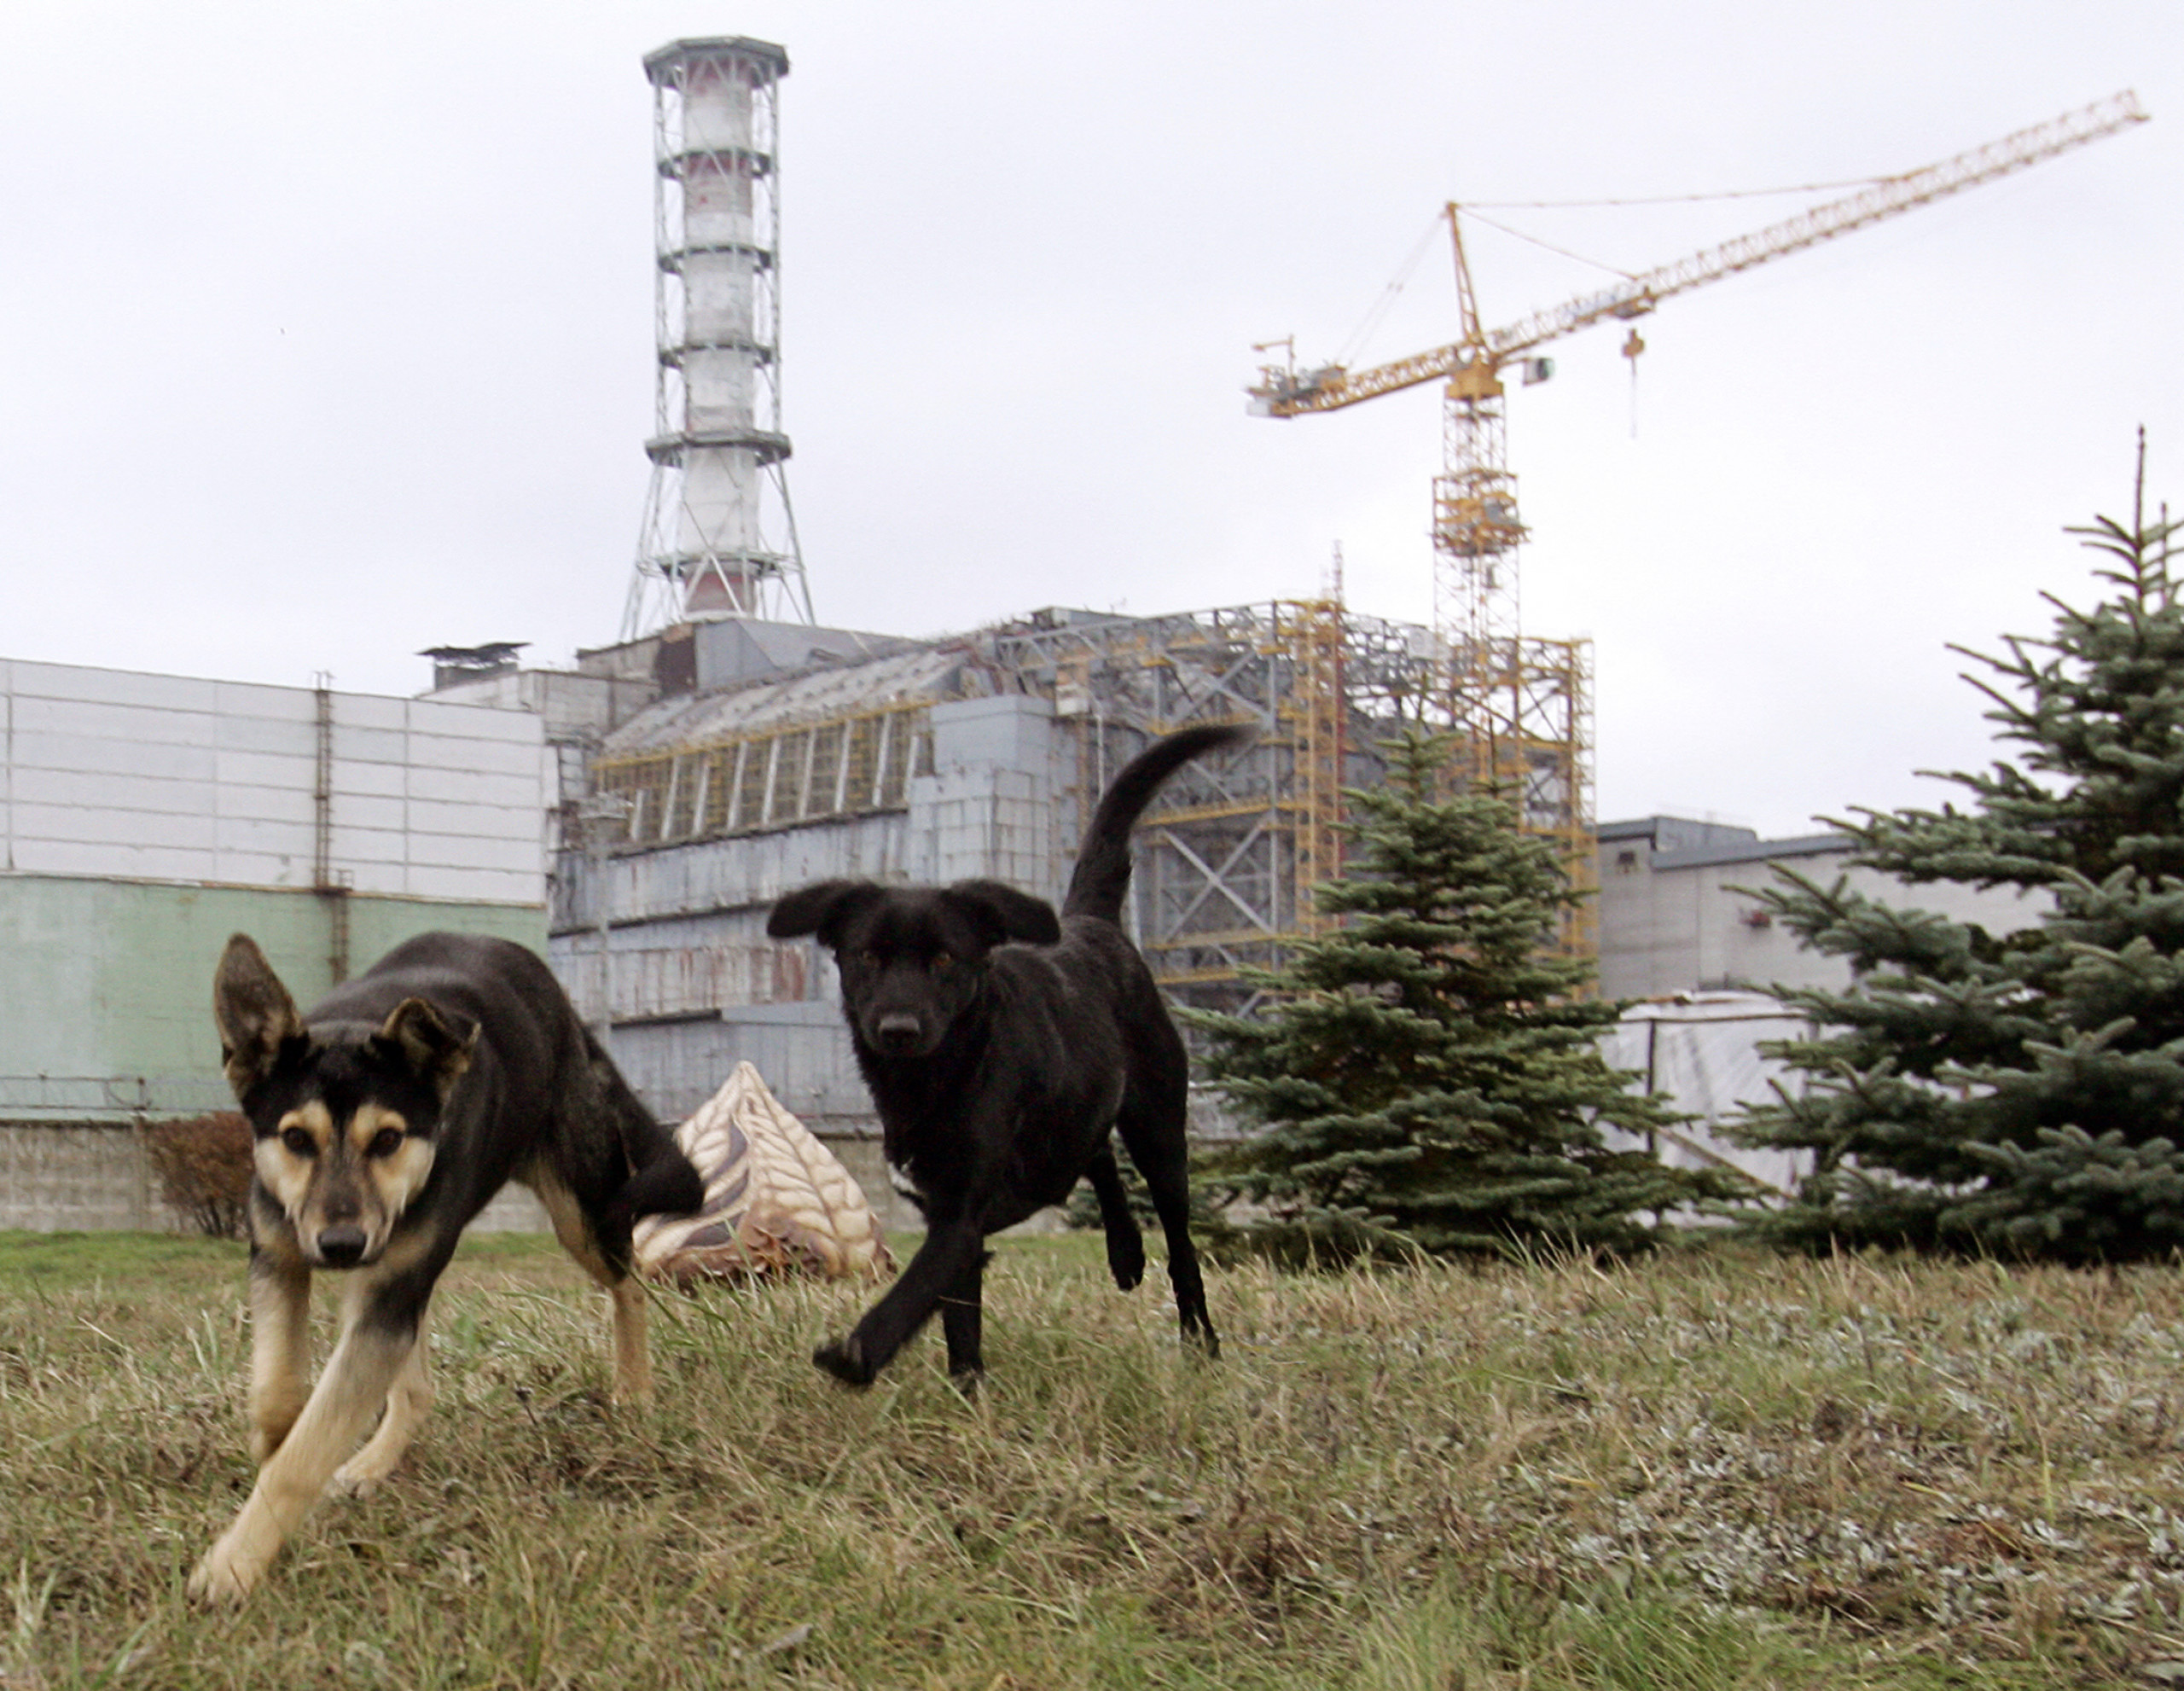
(1005, 914)
(822, 907)
(254, 1012)
(436, 1044)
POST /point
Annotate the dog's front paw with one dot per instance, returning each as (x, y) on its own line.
(224, 1576)
(843, 1359)
(356, 1479)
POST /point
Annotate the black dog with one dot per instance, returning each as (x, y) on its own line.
(998, 1068)
(384, 1120)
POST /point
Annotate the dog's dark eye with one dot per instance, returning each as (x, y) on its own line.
(385, 1143)
(942, 962)
(868, 959)
(298, 1143)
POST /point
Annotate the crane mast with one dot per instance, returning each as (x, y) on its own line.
(1520, 707)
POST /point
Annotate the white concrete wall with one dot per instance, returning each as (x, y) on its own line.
(116, 774)
(1676, 922)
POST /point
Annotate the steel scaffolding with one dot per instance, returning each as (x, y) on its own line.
(1228, 857)
(1227, 860)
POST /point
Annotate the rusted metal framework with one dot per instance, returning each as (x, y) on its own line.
(777, 775)
(1539, 756)
(1227, 862)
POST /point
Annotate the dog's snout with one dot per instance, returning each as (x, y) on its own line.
(898, 1031)
(340, 1246)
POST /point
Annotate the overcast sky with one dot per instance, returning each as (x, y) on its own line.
(326, 335)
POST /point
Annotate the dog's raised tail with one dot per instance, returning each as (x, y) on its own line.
(1102, 874)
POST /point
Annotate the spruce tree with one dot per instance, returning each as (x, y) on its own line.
(2019, 1092)
(1427, 1078)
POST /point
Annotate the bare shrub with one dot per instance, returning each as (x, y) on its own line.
(204, 1166)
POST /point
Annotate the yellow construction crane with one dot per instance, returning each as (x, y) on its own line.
(1520, 705)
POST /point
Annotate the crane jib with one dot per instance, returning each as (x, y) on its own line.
(1288, 393)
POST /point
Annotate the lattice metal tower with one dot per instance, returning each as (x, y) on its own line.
(719, 535)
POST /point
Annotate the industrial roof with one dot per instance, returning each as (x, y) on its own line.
(1754, 851)
(918, 677)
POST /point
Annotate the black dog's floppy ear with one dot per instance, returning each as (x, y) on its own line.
(1006, 914)
(822, 908)
(254, 1013)
(436, 1045)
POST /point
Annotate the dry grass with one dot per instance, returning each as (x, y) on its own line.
(1714, 1470)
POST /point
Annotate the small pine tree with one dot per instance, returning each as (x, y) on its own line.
(2018, 1092)
(1427, 1078)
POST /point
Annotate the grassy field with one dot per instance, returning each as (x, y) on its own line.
(1716, 1469)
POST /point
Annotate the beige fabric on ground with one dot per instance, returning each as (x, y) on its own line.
(775, 1197)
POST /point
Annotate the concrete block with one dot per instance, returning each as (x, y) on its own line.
(358, 812)
(37, 856)
(477, 851)
(233, 769)
(109, 754)
(233, 733)
(271, 804)
(517, 791)
(471, 722)
(113, 687)
(80, 824)
(1011, 730)
(262, 835)
(367, 711)
(485, 757)
(372, 864)
(482, 822)
(77, 790)
(248, 700)
(388, 780)
(369, 745)
(106, 720)
(57, 1178)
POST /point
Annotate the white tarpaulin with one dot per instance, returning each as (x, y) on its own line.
(1702, 1050)
(776, 1199)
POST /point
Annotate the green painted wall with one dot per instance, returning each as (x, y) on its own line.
(114, 979)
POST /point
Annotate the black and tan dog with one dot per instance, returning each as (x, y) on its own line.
(384, 1120)
(1001, 1045)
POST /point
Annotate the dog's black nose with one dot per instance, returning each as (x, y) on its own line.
(897, 1032)
(338, 1247)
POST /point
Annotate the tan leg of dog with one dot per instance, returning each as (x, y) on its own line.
(408, 1403)
(632, 1355)
(279, 1349)
(358, 1377)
